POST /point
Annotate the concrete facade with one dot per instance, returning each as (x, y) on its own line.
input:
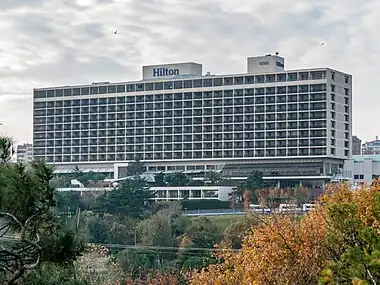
(289, 124)
(356, 146)
(371, 147)
(363, 168)
(24, 153)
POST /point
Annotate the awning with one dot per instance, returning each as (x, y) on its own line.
(85, 170)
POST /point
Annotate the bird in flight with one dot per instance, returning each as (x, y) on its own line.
(322, 44)
(115, 32)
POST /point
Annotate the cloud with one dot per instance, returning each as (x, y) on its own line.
(55, 42)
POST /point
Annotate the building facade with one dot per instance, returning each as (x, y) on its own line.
(364, 168)
(356, 146)
(24, 153)
(371, 147)
(289, 124)
(221, 193)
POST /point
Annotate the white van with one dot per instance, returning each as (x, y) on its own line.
(259, 209)
(289, 208)
(307, 207)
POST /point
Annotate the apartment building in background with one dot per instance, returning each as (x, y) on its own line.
(293, 125)
(24, 153)
(364, 168)
(371, 147)
(356, 146)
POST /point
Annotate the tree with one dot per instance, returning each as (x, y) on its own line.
(86, 178)
(156, 231)
(234, 234)
(135, 167)
(279, 251)
(7, 149)
(255, 180)
(213, 178)
(353, 219)
(176, 179)
(336, 243)
(35, 234)
(136, 263)
(253, 183)
(159, 180)
(130, 199)
(160, 228)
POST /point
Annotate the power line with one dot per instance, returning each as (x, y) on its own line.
(163, 247)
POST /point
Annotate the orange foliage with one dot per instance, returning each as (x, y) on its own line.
(280, 251)
(156, 279)
(289, 250)
(363, 198)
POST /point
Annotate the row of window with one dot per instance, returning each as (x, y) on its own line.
(291, 152)
(111, 129)
(109, 88)
(135, 120)
(294, 129)
(185, 110)
(218, 94)
(100, 145)
(145, 142)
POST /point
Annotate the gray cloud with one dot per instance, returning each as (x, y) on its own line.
(54, 42)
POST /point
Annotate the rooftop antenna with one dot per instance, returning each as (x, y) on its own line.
(277, 53)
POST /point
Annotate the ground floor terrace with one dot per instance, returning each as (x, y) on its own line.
(311, 172)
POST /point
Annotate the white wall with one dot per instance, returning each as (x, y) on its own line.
(363, 169)
(262, 64)
(187, 68)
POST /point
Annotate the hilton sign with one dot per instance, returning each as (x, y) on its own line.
(162, 71)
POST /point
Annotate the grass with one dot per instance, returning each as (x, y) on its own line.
(223, 222)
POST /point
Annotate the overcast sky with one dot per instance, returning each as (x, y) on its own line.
(53, 42)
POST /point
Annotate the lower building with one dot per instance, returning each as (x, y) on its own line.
(356, 146)
(371, 147)
(192, 193)
(363, 168)
(311, 173)
(165, 193)
(25, 153)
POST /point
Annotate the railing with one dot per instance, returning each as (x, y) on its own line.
(83, 189)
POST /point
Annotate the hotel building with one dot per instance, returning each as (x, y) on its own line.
(293, 125)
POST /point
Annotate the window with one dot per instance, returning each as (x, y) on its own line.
(332, 88)
(333, 151)
(346, 91)
(120, 88)
(361, 176)
(346, 79)
(332, 75)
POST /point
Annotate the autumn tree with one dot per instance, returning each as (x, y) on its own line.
(253, 183)
(353, 235)
(336, 243)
